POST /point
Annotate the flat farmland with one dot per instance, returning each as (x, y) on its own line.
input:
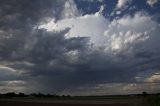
(84, 102)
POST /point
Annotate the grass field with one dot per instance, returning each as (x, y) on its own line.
(70, 103)
(84, 101)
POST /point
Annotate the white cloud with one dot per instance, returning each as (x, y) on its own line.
(100, 10)
(92, 26)
(122, 3)
(152, 2)
(6, 69)
(124, 32)
(92, 0)
(115, 36)
(139, 19)
(70, 10)
(154, 78)
(120, 7)
(50, 26)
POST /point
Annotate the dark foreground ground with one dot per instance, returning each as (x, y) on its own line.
(50, 102)
(150, 100)
(4, 103)
(15, 103)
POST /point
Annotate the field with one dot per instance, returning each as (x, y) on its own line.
(49, 102)
(132, 100)
(71, 103)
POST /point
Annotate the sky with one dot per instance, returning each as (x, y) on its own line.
(80, 47)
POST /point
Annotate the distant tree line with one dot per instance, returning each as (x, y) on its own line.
(38, 95)
(41, 95)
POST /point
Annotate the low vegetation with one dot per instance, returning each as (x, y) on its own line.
(143, 99)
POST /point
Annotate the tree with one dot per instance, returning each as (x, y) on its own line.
(144, 93)
(11, 94)
(21, 94)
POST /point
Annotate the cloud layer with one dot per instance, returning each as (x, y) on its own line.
(52, 48)
(152, 2)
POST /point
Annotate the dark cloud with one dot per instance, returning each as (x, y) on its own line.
(48, 65)
(50, 62)
(18, 19)
(18, 14)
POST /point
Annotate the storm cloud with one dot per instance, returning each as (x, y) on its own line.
(48, 46)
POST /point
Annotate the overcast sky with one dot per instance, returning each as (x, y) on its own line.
(81, 47)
